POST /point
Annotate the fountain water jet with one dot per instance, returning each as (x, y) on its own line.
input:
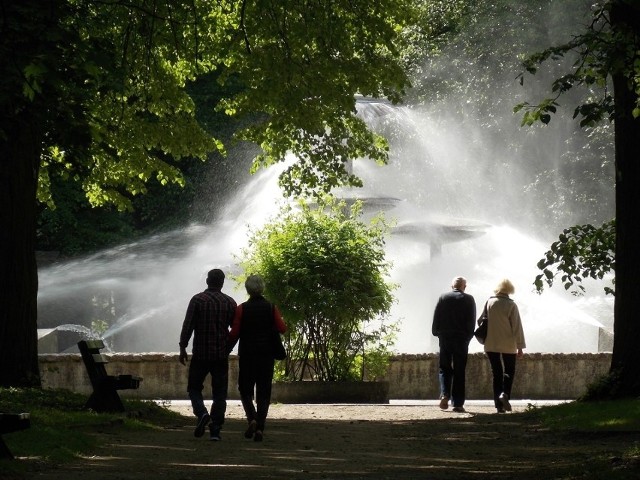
(454, 216)
(148, 289)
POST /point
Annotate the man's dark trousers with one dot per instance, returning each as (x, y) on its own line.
(453, 364)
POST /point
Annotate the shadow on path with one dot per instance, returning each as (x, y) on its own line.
(481, 446)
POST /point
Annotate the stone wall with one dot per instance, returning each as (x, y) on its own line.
(163, 375)
(538, 376)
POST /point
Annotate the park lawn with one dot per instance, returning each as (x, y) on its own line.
(62, 429)
(591, 420)
(593, 416)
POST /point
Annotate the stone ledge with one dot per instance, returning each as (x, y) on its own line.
(538, 375)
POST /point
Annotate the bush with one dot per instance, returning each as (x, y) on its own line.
(326, 271)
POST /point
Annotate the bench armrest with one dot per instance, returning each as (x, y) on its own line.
(127, 382)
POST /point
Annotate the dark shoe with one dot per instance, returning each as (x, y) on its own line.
(459, 410)
(214, 434)
(500, 410)
(202, 424)
(444, 402)
(251, 429)
(504, 399)
(257, 437)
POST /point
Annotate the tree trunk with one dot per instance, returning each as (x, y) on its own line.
(625, 362)
(23, 40)
(18, 271)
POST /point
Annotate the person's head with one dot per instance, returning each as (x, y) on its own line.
(254, 285)
(459, 283)
(215, 278)
(504, 287)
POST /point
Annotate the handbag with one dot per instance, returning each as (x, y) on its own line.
(481, 332)
(279, 352)
(483, 323)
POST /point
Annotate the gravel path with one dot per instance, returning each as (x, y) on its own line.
(396, 410)
(398, 441)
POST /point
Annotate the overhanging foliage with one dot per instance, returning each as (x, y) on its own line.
(582, 251)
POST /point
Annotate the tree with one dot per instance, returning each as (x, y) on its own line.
(86, 99)
(326, 270)
(608, 54)
(582, 251)
(95, 92)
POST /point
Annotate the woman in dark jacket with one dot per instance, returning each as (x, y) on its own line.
(254, 325)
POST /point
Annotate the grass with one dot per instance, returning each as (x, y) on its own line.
(602, 416)
(62, 429)
(593, 418)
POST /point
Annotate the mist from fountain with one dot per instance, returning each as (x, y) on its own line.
(446, 182)
(463, 202)
(146, 285)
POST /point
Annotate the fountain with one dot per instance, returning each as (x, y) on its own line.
(142, 289)
(463, 203)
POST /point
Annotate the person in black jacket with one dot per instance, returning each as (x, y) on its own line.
(254, 324)
(453, 323)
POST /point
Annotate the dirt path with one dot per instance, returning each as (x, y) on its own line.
(354, 442)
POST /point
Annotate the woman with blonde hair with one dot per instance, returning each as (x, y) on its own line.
(504, 342)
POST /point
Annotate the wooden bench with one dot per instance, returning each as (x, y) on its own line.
(11, 422)
(105, 396)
